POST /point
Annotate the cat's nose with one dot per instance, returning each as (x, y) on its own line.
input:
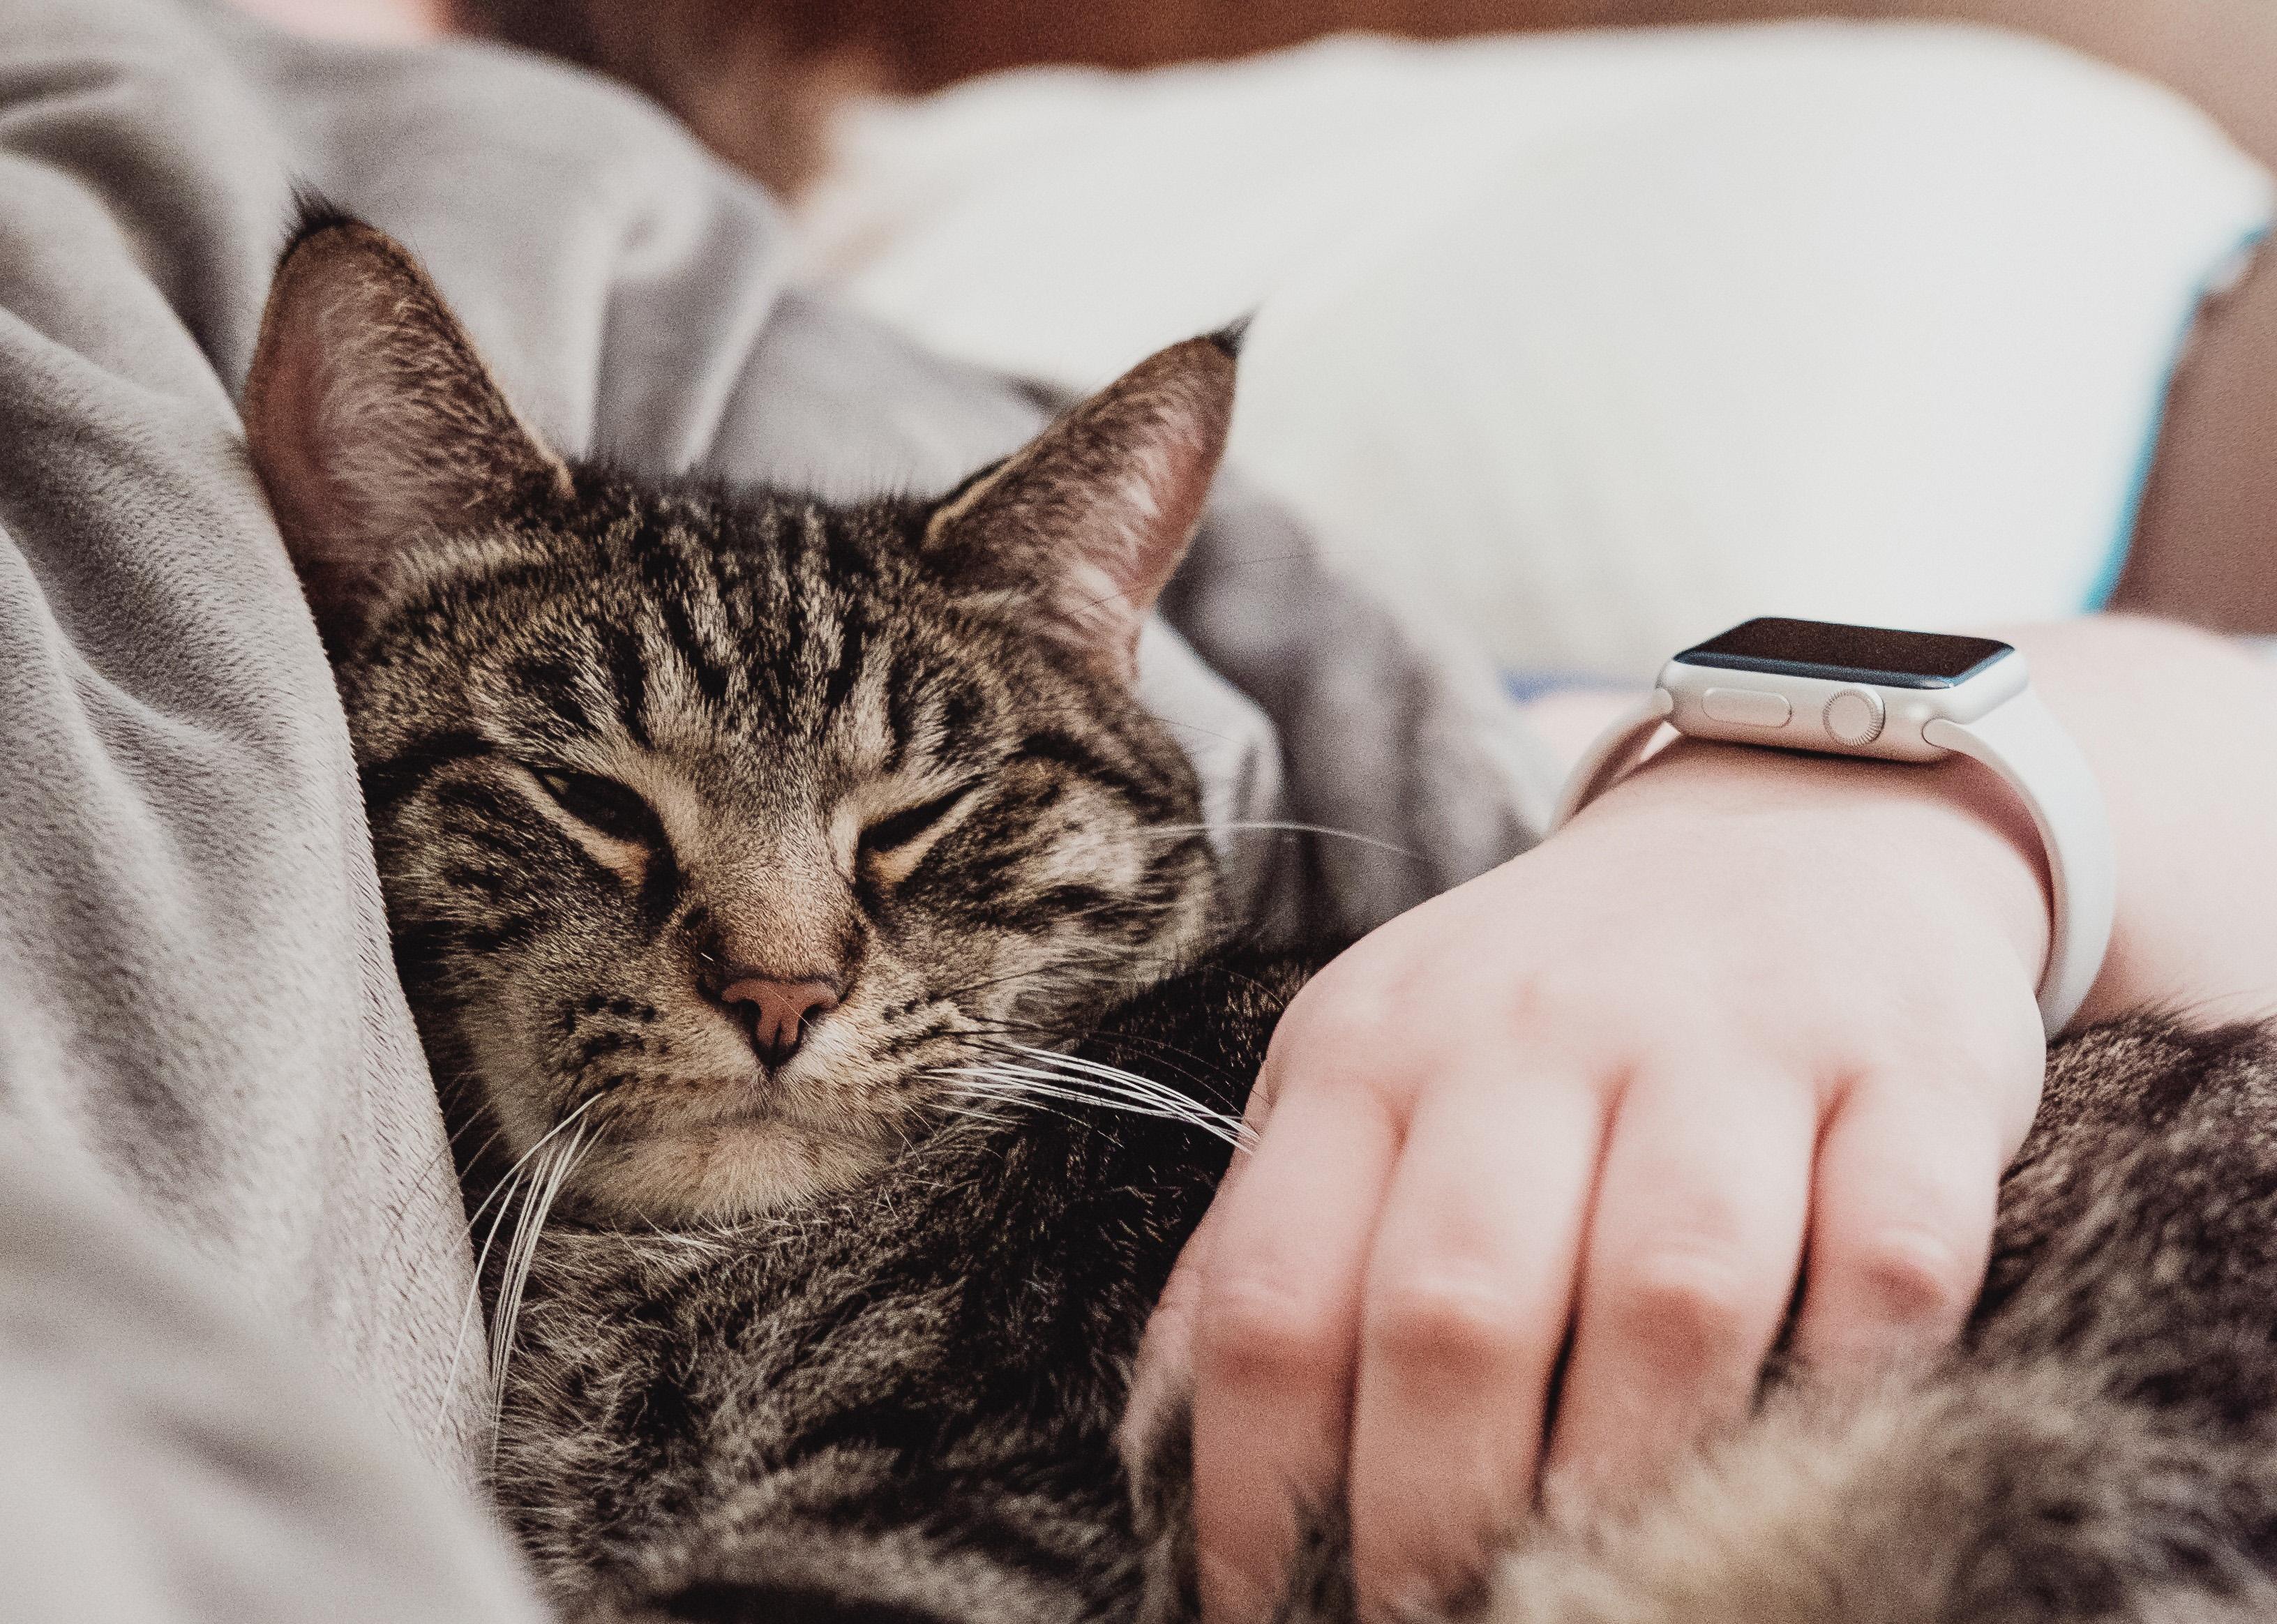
(778, 1011)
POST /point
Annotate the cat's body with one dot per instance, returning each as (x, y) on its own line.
(903, 1404)
(766, 874)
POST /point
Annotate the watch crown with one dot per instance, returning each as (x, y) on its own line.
(1855, 716)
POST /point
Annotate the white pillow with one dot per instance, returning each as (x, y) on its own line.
(1594, 344)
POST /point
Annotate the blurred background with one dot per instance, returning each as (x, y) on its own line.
(703, 57)
(1920, 371)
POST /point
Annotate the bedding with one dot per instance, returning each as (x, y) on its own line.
(234, 1378)
(1594, 344)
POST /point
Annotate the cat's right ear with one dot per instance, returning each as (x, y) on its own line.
(1087, 522)
(372, 420)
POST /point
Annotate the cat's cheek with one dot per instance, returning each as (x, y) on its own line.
(499, 1047)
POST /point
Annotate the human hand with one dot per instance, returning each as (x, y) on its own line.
(1747, 1009)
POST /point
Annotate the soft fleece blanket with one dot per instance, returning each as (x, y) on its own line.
(234, 1273)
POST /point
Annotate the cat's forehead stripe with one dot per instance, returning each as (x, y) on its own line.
(556, 683)
(628, 676)
(707, 667)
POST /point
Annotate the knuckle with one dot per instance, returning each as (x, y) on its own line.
(1253, 1333)
(1570, 997)
(1359, 987)
(1346, 1037)
(1449, 1326)
(1905, 1275)
(1985, 1060)
(1984, 1051)
(1334, 1048)
(1687, 1310)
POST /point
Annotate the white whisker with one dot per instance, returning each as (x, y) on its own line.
(1284, 829)
(1066, 1080)
(1010, 1091)
(546, 1180)
(502, 1193)
(1145, 1087)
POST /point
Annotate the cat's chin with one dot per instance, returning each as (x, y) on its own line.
(719, 1171)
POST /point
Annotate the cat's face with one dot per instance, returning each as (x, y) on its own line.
(719, 830)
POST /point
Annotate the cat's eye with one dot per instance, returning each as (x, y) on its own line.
(900, 828)
(604, 804)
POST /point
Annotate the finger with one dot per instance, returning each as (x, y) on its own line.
(1277, 1317)
(1693, 1250)
(1908, 1179)
(1466, 1308)
(1164, 1370)
(1165, 1367)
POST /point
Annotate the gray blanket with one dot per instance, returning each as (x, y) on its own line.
(233, 1276)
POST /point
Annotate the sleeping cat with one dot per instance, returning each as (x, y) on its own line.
(822, 960)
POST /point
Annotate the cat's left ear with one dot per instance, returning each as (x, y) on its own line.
(1090, 519)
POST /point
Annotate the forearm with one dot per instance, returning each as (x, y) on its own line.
(2180, 728)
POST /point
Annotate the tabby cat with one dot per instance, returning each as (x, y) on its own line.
(755, 865)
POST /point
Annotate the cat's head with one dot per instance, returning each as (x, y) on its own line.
(725, 825)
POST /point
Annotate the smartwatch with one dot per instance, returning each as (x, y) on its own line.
(1895, 696)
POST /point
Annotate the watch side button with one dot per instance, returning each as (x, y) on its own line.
(1748, 707)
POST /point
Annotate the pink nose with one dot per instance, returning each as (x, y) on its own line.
(778, 1012)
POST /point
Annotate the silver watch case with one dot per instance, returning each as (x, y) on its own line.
(1744, 707)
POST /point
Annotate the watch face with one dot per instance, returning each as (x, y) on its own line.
(1869, 654)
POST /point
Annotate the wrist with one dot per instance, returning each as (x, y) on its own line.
(1950, 829)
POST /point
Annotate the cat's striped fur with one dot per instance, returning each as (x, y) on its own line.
(833, 1338)
(625, 747)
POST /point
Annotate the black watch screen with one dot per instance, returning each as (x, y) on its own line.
(1837, 653)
